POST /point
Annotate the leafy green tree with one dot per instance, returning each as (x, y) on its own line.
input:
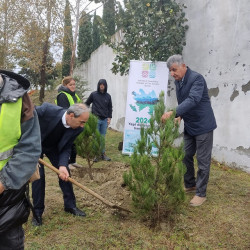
(11, 12)
(67, 41)
(53, 73)
(153, 30)
(109, 16)
(156, 180)
(41, 30)
(85, 43)
(88, 143)
(96, 32)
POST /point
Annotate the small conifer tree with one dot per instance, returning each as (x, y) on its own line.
(156, 180)
(89, 142)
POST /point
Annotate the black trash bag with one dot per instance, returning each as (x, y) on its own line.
(14, 209)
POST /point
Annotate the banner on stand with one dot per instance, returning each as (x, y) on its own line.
(146, 80)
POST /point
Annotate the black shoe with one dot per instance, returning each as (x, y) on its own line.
(37, 222)
(105, 158)
(75, 211)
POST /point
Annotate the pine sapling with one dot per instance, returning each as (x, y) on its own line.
(156, 175)
(89, 142)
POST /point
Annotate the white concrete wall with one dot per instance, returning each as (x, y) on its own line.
(99, 67)
(218, 47)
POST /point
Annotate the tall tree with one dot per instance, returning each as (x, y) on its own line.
(120, 13)
(30, 32)
(77, 23)
(11, 12)
(67, 41)
(42, 29)
(85, 43)
(153, 30)
(109, 16)
(73, 55)
(45, 51)
(96, 32)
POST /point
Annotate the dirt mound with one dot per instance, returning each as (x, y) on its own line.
(107, 182)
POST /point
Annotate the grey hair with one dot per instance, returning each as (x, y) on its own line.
(178, 59)
(78, 109)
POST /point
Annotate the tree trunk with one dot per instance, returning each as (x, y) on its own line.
(45, 54)
(72, 62)
(90, 170)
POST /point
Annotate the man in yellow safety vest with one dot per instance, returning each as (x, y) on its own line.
(20, 148)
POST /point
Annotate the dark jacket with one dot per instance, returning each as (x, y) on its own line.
(101, 102)
(49, 115)
(14, 209)
(194, 104)
(62, 99)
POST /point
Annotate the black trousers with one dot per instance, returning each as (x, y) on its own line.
(12, 239)
(202, 146)
(72, 158)
(38, 188)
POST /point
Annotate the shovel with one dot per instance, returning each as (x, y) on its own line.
(108, 203)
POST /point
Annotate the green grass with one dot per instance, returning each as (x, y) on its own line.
(222, 222)
(112, 141)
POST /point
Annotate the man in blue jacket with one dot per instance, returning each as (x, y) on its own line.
(194, 107)
(59, 128)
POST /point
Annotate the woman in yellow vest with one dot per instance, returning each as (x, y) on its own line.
(65, 98)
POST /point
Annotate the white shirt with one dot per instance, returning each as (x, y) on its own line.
(64, 121)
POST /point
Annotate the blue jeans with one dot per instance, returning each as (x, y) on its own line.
(202, 146)
(102, 128)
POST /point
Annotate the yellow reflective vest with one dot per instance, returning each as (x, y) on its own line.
(70, 98)
(10, 129)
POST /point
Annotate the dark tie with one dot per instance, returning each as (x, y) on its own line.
(181, 83)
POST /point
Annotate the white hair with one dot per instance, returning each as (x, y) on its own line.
(178, 59)
(77, 109)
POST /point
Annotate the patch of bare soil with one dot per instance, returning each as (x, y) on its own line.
(107, 182)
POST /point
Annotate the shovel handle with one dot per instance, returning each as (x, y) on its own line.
(108, 203)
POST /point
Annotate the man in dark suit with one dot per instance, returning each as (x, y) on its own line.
(59, 128)
(194, 107)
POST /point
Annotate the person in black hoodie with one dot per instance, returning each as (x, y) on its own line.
(101, 107)
(65, 98)
(20, 148)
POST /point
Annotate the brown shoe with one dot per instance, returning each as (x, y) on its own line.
(190, 190)
(76, 165)
(197, 201)
(71, 167)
